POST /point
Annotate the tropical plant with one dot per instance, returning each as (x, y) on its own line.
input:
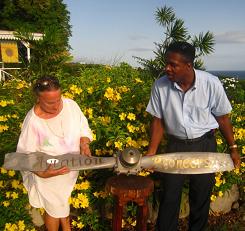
(114, 101)
(175, 30)
(49, 17)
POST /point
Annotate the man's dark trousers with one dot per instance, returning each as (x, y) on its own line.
(200, 188)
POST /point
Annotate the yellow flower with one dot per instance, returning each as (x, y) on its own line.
(83, 185)
(123, 223)
(83, 200)
(123, 89)
(117, 96)
(213, 198)
(3, 118)
(109, 143)
(139, 107)
(15, 116)
(3, 128)
(74, 223)
(144, 173)
(98, 152)
(68, 95)
(108, 67)
(238, 119)
(130, 128)
(143, 143)
(7, 226)
(239, 133)
(118, 145)
(15, 184)
(41, 211)
(219, 141)
(1, 184)
(6, 203)
(112, 94)
(14, 195)
(21, 225)
(7, 194)
(243, 149)
(237, 171)
(122, 116)
(11, 173)
(94, 136)
(105, 120)
(90, 90)
(89, 112)
(75, 89)
(100, 194)
(218, 181)
(80, 225)
(220, 194)
(131, 116)
(96, 194)
(24, 190)
(3, 170)
(134, 223)
(138, 80)
(3, 103)
(20, 85)
(108, 80)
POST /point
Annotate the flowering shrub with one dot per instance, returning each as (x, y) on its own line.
(224, 181)
(114, 101)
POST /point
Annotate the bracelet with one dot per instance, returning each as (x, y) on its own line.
(233, 146)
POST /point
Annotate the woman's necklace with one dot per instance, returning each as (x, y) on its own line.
(56, 128)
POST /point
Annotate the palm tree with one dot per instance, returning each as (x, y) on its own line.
(176, 31)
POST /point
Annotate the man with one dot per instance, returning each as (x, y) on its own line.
(187, 105)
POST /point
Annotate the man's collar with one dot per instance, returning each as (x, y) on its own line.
(195, 84)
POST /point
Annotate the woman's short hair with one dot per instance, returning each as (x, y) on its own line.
(184, 48)
(46, 83)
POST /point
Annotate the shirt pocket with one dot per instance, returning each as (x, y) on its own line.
(199, 115)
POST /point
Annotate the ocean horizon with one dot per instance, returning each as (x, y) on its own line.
(236, 74)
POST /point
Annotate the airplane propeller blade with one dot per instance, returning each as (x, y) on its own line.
(188, 162)
(39, 161)
(129, 161)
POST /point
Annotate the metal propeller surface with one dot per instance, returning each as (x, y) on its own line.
(129, 161)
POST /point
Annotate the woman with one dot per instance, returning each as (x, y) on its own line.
(55, 126)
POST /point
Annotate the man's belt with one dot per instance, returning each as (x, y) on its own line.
(190, 141)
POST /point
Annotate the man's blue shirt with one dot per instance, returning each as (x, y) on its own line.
(190, 114)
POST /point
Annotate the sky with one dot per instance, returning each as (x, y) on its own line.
(113, 31)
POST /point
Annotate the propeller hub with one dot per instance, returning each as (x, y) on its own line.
(129, 157)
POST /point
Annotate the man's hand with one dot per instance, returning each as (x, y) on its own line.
(50, 172)
(235, 157)
(157, 130)
(149, 153)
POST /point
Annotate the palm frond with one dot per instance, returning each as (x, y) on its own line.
(164, 15)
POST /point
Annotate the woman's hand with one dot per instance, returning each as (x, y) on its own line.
(84, 146)
(84, 149)
(50, 172)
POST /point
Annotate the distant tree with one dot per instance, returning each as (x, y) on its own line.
(176, 31)
(49, 17)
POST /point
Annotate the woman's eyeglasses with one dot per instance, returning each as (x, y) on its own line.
(46, 84)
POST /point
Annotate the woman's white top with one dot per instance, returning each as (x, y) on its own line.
(55, 136)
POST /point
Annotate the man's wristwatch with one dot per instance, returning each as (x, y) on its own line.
(233, 146)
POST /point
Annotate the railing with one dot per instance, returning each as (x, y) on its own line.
(4, 74)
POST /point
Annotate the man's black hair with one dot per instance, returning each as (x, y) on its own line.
(184, 48)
